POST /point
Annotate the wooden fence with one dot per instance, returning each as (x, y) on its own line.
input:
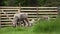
(7, 13)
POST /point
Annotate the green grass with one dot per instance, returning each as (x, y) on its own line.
(45, 26)
(18, 30)
(11, 30)
(41, 27)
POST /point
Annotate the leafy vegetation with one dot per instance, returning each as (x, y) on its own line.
(30, 2)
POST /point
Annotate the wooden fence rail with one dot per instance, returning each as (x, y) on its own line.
(7, 13)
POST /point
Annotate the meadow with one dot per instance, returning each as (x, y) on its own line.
(41, 27)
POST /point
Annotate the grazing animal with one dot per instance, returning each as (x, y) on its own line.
(21, 17)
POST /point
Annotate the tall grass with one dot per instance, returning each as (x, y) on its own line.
(47, 26)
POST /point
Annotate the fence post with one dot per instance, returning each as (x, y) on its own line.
(37, 13)
(0, 19)
(19, 8)
(58, 12)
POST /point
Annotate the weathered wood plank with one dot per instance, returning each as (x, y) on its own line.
(39, 10)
